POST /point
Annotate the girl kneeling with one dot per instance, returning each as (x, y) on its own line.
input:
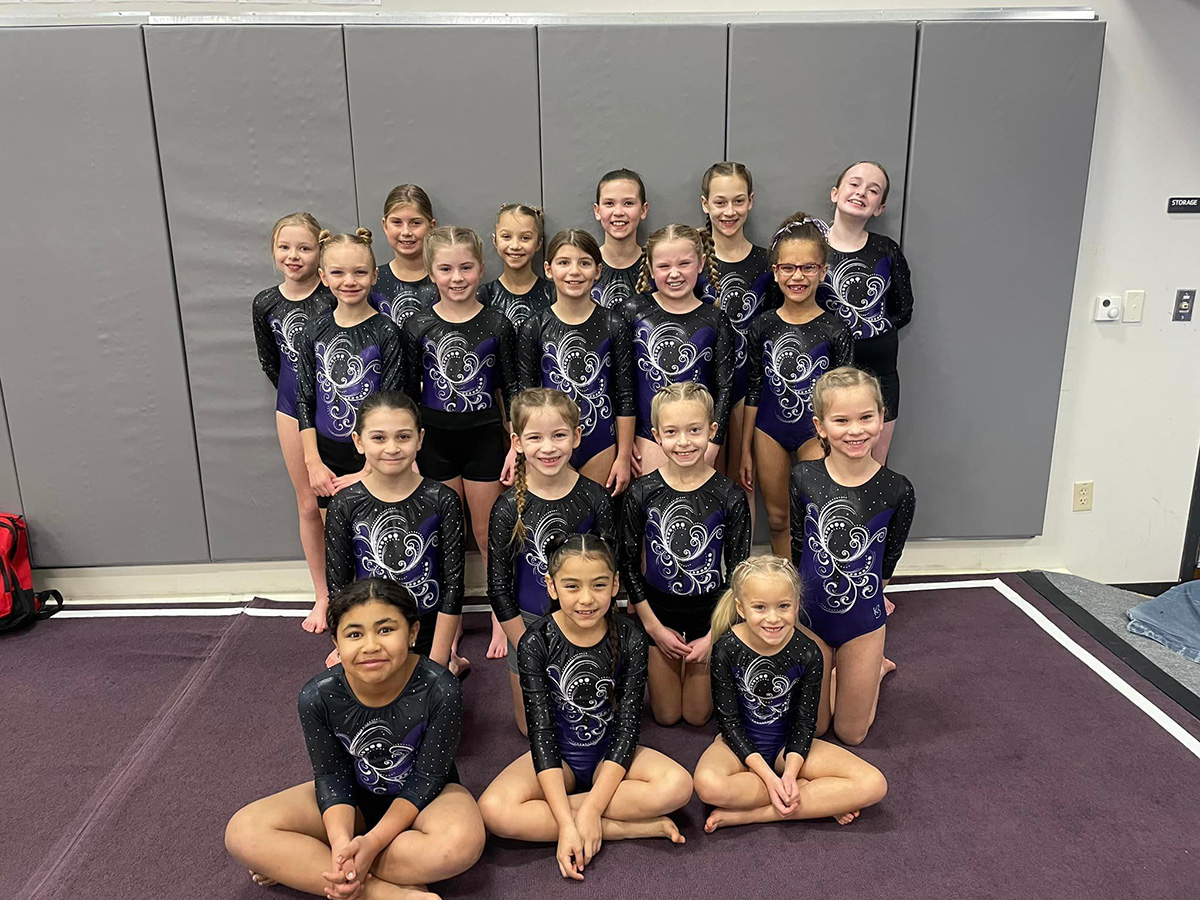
(766, 684)
(583, 674)
(382, 816)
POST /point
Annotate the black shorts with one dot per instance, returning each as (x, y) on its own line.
(475, 453)
(690, 616)
(340, 458)
(877, 355)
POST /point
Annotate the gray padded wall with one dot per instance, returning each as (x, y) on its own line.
(10, 493)
(92, 361)
(806, 100)
(646, 97)
(451, 108)
(1001, 143)
(252, 124)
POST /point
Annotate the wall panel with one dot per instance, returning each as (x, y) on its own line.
(1001, 142)
(92, 361)
(10, 493)
(451, 108)
(645, 97)
(252, 124)
(806, 100)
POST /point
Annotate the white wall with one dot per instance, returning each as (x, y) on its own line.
(1129, 416)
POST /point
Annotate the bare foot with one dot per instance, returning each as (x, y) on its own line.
(886, 666)
(314, 622)
(261, 880)
(618, 830)
(498, 648)
(715, 820)
(846, 818)
(333, 658)
(374, 889)
(888, 606)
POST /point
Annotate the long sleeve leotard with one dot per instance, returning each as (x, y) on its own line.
(340, 367)
(765, 704)
(846, 542)
(685, 535)
(578, 710)
(673, 347)
(745, 293)
(517, 307)
(416, 541)
(592, 363)
(279, 324)
(517, 573)
(398, 299)
(361, 755)
(785, 362)
(615, 286)
(455, 368)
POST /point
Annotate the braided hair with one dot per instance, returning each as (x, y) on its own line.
(525, 405)
(701, 240)
(561, 547)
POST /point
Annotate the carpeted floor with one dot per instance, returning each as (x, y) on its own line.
(1014, 769)
(1109, 605)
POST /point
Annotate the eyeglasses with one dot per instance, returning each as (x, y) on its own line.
(787, 270)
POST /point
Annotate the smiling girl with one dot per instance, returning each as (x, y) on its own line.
(620, 208)
(519, 292)
(404, 283)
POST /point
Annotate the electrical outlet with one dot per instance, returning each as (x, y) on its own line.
(1185, 299)
(1131, 311)
(1107, 309)
(1082, 501)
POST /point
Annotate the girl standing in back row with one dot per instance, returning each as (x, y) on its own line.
(620, 208)
(868, 285)
(519, 292)
(281, 314)
(404, 286)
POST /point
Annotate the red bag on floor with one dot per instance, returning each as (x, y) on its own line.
(19, 605)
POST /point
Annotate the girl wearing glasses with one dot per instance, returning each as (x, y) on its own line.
(868, 284)
(789, 349)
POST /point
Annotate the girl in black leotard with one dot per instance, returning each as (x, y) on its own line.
(396, 524)
(281, 314)
(462, 371)
(620, 207)
(727, 196)
(790, 348)
(382, 729)
(548, 498)
(344, 357)
(678, 525)
(766, 684)
(519, 292)
(586, 352)
(404, 284)
(868, 284)
(583, 673)
(676, 336)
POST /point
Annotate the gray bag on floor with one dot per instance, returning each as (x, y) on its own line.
(1172, 619)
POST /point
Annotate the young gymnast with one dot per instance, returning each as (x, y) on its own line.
(766, 682)
(586, 352)
(461, 359)
(677, 337)
(404, 284)
(620, 207)
(790, 348)
(519, 292)
(397, 524)
(583, 672)
(868, 284)
(281, 313)
(342, 358)
(548, 498)
(850, 518)
(676, 526)
(727, 196)
(384, 815)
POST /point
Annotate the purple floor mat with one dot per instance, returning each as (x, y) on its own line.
(80, 697)
(1014, 771)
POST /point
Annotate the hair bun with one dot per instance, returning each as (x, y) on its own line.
(364, 234)
(607, 537)
(554, 543)
(324, 236)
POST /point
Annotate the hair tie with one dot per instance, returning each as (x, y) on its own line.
(554, 543)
